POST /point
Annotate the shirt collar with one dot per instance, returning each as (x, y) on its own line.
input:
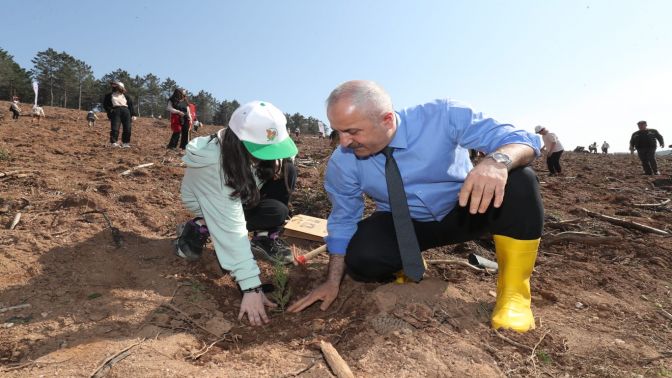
(400, 138)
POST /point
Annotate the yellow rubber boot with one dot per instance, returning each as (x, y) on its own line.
(401, 278)
(516, 260)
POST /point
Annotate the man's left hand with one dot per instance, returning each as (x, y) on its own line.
(485, 182)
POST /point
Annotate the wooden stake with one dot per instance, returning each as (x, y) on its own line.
(625, 223)
(303, 259)
(335, 361)
(129, 171)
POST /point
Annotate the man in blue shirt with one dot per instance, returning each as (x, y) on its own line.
(450, 201)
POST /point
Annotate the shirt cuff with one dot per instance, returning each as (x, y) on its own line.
(337, 246)
(248, 283)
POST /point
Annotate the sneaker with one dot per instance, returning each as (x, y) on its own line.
(271, 248)
(126, 145)
(191, 237)
(115, 144)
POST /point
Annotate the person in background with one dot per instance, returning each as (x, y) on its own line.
(36, 114)
(416, 161)
(592, 148)
(180, 119)
(91, 118)
(15, 108)
(644, 141)
(236, 181)
(605, 147)
(297, 132)
(120, 110)
(552, 148)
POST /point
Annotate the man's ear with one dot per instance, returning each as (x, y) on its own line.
(389, 120)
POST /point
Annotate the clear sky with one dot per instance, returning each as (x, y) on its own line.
(587, 70)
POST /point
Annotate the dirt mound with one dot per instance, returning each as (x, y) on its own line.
(90, 266)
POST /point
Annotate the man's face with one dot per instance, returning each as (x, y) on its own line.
(358, 131)
(641, 126)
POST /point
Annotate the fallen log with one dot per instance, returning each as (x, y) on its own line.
(626, 223)
(579, 237)
(335, 361)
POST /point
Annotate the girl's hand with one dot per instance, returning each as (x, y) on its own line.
(253, 304)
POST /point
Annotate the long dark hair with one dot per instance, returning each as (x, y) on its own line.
(178, 95)
(236, 163)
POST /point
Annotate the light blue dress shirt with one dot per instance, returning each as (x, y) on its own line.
(432, 145)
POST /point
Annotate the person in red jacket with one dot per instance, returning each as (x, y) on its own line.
(180, 119)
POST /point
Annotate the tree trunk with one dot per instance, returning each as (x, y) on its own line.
(79, 102)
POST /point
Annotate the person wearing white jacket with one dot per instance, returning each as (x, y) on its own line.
(236, 181)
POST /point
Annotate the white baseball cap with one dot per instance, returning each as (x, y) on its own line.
(537, 129)
(263, 130)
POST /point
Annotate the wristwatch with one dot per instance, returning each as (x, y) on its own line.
(501, 157)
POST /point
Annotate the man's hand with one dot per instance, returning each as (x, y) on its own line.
(134, 118)
(485, 182)
(253, 304)
(327, 293)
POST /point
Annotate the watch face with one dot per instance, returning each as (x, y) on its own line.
(501, 158)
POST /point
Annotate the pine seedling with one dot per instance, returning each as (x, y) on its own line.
(282, 292)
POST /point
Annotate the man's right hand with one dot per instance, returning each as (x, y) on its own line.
(327, 293)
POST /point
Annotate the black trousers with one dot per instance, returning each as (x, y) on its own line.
(648, 158)
(120, 115)
(15, 114)
(272, 211)
(553, 162)
(184, 133)
(373, 252)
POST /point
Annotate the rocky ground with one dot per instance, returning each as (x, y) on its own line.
(91, 266)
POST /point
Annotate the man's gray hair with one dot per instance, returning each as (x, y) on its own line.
(365, 95)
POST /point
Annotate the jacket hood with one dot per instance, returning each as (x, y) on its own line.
(203, 151)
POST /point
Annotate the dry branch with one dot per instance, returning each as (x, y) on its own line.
(103, 368)
(626, 223)
(579, 237)
(17, 307)
(188, 318)
(514, 343)
(335, 361)
(666, 314)
(129, 171)
(654, 205)
(16, 220)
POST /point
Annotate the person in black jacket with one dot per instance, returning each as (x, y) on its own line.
(644, 141)
(119, 108)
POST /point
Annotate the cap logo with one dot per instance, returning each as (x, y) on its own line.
(271, 134)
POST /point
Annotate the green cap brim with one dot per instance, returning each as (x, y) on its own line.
(284, 149)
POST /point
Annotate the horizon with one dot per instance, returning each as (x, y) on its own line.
(587, 70)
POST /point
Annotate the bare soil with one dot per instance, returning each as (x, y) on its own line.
(600, 306)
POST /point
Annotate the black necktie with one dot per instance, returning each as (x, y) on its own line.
(403, 225)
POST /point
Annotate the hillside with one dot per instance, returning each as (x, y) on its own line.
(602, 304)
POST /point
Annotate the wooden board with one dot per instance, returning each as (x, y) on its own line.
(306, 227)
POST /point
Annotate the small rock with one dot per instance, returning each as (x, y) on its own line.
(8, 325)
(579, 305)
(492, 294)
(317, 325)
(218, 326)
(44, 314)
(619, 341)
